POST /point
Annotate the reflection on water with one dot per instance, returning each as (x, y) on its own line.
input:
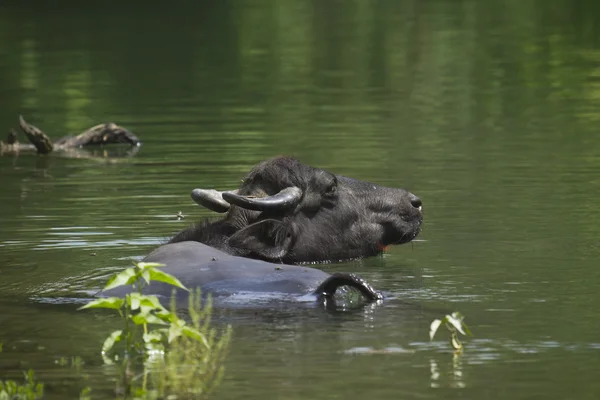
(449, 375)
(487, 110)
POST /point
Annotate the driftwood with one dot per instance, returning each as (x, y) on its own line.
(109, 133)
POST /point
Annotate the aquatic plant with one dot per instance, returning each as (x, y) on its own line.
(455, 324)
(181, 360)
(189, 369)
(75, 362)
(29, 390)
(138, 311)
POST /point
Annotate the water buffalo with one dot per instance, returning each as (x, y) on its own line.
(223, 275)
(289, 212)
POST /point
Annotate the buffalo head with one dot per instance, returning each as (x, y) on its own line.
(290, 212)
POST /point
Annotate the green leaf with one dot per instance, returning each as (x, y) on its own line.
(459, 317)
(158, 347)
(108, 302)
(141, 319)
(146, 303)
(110, 341)
(161, 276)
(153, 337)
(175, 330)
(148, 310)
(194, 334)
(434, 327)
(126, 277)
(133, 299)
(146, 276)
(466, 329)
(29, 376)
(85, 393)
(163, 331)
(148, 265)
(167, 316)
(150, 304)
(151, 301)
(456, 321)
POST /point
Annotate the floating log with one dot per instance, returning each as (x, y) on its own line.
(109, 133)
(40, 140)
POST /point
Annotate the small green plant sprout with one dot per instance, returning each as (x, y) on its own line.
(86, 393)
(189, 369)
(181, 359)
(455, 324)
(140, 311)
(73, 362)
(29, 390)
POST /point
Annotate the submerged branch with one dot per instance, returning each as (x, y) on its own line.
(40, 140)
(109, 133)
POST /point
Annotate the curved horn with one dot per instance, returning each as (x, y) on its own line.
(211, 199)
(286, 198)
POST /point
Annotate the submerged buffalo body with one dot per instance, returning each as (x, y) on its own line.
(221, 274)
(285, 211)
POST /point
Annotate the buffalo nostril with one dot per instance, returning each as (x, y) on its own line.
(415, 201)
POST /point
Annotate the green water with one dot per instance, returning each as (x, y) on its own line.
(489, 111)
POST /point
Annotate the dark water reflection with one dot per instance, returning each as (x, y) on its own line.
(487, 110)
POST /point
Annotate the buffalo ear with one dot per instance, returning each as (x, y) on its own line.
(269, 239)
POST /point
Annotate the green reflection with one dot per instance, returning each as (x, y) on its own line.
(487, 110)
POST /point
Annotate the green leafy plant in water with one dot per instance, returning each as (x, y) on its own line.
(188, 357)
(86, 393)
(139, 311)
(29, 390)
(455, 325)
(72, 362)
(191, 368)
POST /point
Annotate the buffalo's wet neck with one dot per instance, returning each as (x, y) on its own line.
(211, 233)
(333, 258)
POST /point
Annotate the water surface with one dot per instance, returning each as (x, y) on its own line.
(487, 110)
